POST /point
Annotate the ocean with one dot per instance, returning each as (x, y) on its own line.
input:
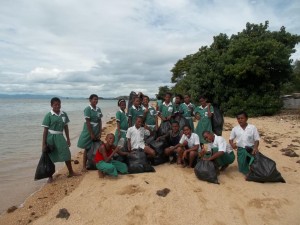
(21, 142)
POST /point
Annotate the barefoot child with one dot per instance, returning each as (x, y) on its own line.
(189, 147)
(54, 123)
(91, 128)
(104, 161)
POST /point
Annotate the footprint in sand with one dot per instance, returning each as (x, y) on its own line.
(268, 203)
(136, 215)
(131, 189)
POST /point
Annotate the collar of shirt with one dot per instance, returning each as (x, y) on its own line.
(121, 111)
(136, 108)
(53, 113)
(170, 103)
(149, 107)
(202, 107)
(94, 109)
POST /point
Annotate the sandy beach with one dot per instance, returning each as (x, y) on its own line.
(132, 199)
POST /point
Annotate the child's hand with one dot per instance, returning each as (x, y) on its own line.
(69, 142)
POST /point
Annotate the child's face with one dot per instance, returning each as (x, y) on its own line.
(187, 131)
(123, 105)
(137, 102)
(177, 100)
(145, 101)
(167, 98)
(186, 99)
(94, 101)
(242, 120)
(202, 101)
(110, 138)
(56, 106)
(138, 122)
(175, 127)
(208, 137)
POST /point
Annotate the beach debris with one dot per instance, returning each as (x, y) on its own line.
(146, 182)
(11, 209)
(76, 161)
(63, 213)
(29, 207)
(289, 152)
(298, 161)
(163, 192)
(32, 214)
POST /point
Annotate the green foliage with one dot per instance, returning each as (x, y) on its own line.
(246, 71)
(294, 84)
(162, 91)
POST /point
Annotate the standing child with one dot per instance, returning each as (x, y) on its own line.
(103, 158)
(91, 128)
(203, 113)
(150, 114)
(187, 108)
(135, 111)
(54, 123)
(122, 121)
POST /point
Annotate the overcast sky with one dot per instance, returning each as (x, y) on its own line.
(79, 47)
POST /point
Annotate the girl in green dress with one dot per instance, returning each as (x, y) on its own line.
(91, 128)
(54, 123)
(187, 110)
(122, 122)
(203, 113)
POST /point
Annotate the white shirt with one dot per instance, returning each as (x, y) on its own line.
(192, 141)
(245, 137)
(137, 137)
(221, 144)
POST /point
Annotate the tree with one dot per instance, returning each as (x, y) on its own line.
(246, 71)
(162, 91)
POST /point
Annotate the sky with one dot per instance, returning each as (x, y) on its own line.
(75, 48)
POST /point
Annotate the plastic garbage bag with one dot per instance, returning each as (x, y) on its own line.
(45, 167)
(217, 121)
(90, 163)
(205, 170)
(137, 162)
(263, 169)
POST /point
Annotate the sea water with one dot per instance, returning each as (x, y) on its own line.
(21, 141)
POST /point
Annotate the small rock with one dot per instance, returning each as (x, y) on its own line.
(11, 209)
(298, 161)
(63, 213)
(29, 207)
(163, 192)
(32, 214)
(76, 161)
(274, 145)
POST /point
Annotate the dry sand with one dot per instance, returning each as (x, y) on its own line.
(132, 199)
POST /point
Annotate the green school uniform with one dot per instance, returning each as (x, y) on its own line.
(225, 159)
(95, 116)
(204, 124)
(121, 117)
(135, 113)
(244, 159)
(112, 168)
(55, 124)
(150, 119)
(187, 113)
(166, 110)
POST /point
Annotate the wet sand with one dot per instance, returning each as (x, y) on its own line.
(133, 199)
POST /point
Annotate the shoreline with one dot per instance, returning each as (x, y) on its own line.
(37, 203)
(269, 203)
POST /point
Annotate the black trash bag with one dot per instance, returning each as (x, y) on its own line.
(45, 167)
(217, 121)
(122, 143)
(164, 128)
(158, 147)
(263, 169)
(137, 162)
(90, 163)
(205, 170)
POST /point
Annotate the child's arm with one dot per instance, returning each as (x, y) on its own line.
(209, 114)
(103, 152)
(129, 144)
(89, 127)
(118, 129)
(66, 128)
(45, 134)
(100, 129)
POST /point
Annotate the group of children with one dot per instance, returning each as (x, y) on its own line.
(184, 144)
